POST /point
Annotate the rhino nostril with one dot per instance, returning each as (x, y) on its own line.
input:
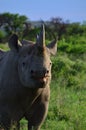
(33, 74)
(39, 73)
(23, 64)
(32, 71)
(47, 71)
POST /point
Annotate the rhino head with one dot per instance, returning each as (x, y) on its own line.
(34, 64)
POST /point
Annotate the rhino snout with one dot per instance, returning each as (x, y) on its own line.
(39, 73)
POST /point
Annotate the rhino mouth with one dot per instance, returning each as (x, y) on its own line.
(42, 80)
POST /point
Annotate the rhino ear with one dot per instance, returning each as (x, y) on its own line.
(14, 43)
(52, 47)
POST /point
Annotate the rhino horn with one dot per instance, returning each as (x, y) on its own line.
(41, 37)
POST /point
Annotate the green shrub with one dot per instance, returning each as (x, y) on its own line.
(69, 72)
(73, 47)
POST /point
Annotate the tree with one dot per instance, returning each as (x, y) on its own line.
(59, 27)
(12, 23)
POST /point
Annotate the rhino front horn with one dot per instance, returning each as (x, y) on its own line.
(41, 37)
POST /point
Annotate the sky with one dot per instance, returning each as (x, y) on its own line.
(72, 10)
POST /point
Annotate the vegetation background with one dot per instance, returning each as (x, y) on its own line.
(67, 109)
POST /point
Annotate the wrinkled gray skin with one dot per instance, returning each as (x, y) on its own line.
(25, 74)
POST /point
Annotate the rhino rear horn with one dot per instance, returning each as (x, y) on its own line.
(41, 37)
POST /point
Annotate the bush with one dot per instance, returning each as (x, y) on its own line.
(69, 72)
(73, 46)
